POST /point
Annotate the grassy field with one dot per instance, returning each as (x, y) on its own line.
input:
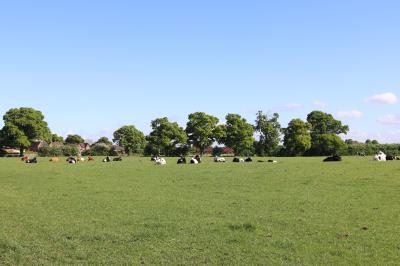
(298, 212)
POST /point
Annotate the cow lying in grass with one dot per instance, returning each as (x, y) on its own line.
(106, 160)
(334, 158)
(194, 161)
(160, 161)
(181, 160)
(218, 159)
(71, 160)
(54, 159)
(197, 158)
(34, 160)
(238, 160)
(380, 157)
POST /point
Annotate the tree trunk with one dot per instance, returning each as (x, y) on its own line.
(21, 151)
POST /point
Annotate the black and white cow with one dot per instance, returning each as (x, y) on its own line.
(194, 161)
(181, 160)
(218, 159)
(33, 160)
(197, 158)
(380, 157)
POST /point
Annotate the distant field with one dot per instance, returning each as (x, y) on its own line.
(298, 212)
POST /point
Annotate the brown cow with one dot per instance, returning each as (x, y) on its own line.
(54, 159)
(90, 158)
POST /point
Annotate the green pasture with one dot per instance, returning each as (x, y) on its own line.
(297, 212)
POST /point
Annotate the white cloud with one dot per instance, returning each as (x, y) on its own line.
(320, 104)
(384, 98)
(390, 119)
(388, 136)
(349, 114)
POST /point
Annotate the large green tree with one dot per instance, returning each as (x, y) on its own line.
(74, 139)
(22, 126)
(297, 139)
(330, 144)
(166, 136)
(56, 138)
(236, 134)
(201, 130)
(269, 130)
(104, 140)
(130, 138)
(322, 125)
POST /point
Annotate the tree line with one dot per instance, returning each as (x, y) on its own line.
(318, 135)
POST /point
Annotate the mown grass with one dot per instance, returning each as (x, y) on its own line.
(298, 212)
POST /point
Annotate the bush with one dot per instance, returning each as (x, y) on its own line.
(99, 149)
(69, 150)
(65, 150)
(48, 151)
(150, 150)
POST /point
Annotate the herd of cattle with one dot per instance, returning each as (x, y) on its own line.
(197, 159)
(380, 156)
(72, 159)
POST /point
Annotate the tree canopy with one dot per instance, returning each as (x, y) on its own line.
(74, 139)
(104, 140)
(324, 133)
(236, 134)
(323, 123)
(269, 130)
(130, 138)
(166, 136)
(201, 130)
(297, 138)
(57, 138)
(22, 126)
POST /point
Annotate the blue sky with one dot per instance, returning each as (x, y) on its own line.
(93, 66)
